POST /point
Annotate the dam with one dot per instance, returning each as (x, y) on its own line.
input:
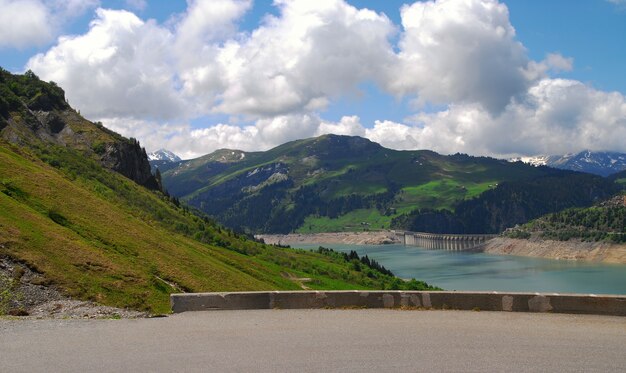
(434, 241)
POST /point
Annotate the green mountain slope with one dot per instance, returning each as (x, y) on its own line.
(512, 203)
(334, 183)
(69, 213)
(603, 222)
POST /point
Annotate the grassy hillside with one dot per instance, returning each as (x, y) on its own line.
(98, 235)
(332, 183)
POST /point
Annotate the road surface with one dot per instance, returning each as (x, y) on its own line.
(318, 341)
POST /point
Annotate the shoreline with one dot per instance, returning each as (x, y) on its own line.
(593, 252)
(348, 238)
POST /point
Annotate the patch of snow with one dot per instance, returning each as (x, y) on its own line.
(163, 155)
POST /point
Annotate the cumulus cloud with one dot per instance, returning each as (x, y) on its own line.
(461, 51)
(555, 116)
(347, 125)
(26, 23)
(119, 68)
(300, 59)
(23, 23)
(263, 134)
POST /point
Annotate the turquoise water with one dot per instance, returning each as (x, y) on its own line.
(477, 271)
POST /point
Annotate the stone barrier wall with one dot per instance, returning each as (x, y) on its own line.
(457, 300)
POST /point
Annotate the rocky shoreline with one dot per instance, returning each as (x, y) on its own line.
(601, 252)
(349, 238)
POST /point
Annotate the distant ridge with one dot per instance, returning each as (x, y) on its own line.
(598, 163)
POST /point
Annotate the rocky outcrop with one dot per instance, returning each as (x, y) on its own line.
(33, 111)
(563, 250)
(129, 159)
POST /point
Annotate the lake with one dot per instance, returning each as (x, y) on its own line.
(478, 271)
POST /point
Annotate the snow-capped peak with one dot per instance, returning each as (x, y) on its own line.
(163, 155)
(595, 162)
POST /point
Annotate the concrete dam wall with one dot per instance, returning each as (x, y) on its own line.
(453, 242)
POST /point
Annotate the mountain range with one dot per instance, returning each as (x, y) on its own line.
(335, 183)
(599, 163)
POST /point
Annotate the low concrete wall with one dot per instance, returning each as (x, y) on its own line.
(485, 301)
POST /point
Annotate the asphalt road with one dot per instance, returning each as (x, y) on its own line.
(318, 341)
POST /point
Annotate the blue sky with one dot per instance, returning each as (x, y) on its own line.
(588, 38)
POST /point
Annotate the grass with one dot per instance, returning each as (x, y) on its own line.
(442, 193)
(98, 236)
(349, 222)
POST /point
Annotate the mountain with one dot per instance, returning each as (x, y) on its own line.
(163, 160)
(79, 206)
(163, 155)
(332, 183)
(605, 221)
(599, 163)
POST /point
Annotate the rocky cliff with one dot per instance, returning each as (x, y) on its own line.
(35, 113)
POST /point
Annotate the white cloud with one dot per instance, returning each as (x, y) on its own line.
(119, 68)
(461, 51)
(558, 63)
(207, 21)
(264, 134)
(137, 4)
(555, 116)
(26, 23)
(297, 61)
(347, 125)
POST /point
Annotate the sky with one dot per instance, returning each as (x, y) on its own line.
(484, 77)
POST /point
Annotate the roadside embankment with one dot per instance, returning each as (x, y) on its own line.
(24, 292)
(351, 238)
(564, 250)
